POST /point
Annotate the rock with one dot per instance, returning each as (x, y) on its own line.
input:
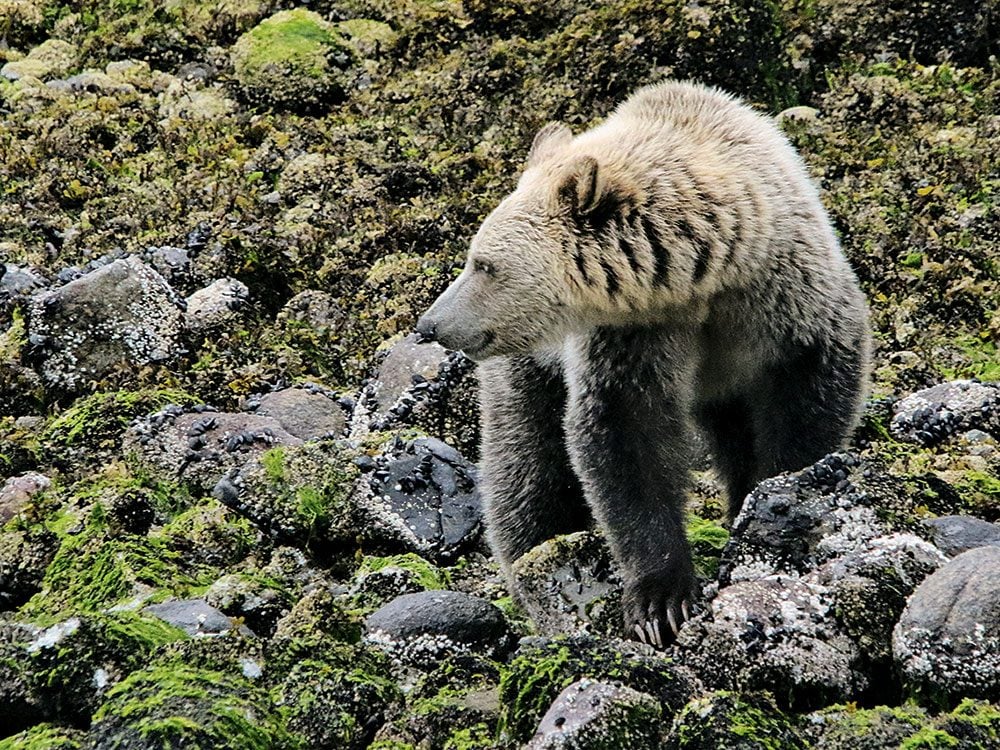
(199, 447)
(196, 617)
(422, 628)
(422, 385)
(173, 263)
(337, 706)
(306, 411)
(934, 414)
(569, 585)
(24, 556)
(591, 715)
(123, 313)
(293, 60)
(541, 668)
(421, 495)
(193, 102)
(795, 522)
(20, 282)
(217, 306)
(17, 492)
(174, 704)
(251, 599)
(379, 580)
(95, 82)
(954, 535)
(852, 728)
(948, 639)
(777, 634)
(301, 494)
(731, 721)
(869, 588)
(53, 58)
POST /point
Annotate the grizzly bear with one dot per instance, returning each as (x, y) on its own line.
(670, 269)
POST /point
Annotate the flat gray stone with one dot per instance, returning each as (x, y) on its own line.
(954, 535)
(303, 412)
(196, 617)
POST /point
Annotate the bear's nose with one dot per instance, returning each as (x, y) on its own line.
(426, 329)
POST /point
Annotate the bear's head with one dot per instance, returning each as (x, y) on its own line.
(518, 293)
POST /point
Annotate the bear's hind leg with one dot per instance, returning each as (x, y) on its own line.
(529, 489)
(728, 428)
(808, 406)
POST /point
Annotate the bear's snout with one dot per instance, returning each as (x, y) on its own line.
(426, 329)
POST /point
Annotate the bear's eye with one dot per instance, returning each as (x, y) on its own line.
(482, 266)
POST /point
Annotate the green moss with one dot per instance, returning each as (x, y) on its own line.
(725, 720)
(537, 674)
(476, 737)
(98, 568)
(101, 418)
(707, 539)
(273, 461)
(427, 575)
(44, 737)
(176, 705)
(929, 738)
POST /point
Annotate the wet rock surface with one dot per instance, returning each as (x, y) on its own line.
(196, 617)
(306, 412)
(424, 627)
(198, 447)
(948, 638)
(422, 495)
(954, 535)
(569, 585)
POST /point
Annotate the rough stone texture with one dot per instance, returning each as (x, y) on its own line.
(869, 588)
(24, 556)
(196, 617)
(216, 306)
(51, 59)
(591, 715)
(542, 667)
(121, 314)
(422, 628)
(17, 491)
(422, 496)
(954, 535)
(199, 447)
(295, 59)
(423, 385)
(795, 522)
(250, 598)
(936, 413)
(948, 639)
(300, 494)
(307, 411)
(777, 634)
(569, 585)
(850, 728)
(730, 721)
(959, 31)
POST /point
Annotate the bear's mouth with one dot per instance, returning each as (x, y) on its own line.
(477, 347)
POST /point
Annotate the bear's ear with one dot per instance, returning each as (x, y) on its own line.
(548, 140)
(588, 189)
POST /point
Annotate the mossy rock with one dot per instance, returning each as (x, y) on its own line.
(333, 706)
(176, 705)
(541, 668)
(731, 721)
(295, 60)
(70, 666)
(45, 737)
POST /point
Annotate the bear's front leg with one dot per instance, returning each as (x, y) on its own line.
(627, 430)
